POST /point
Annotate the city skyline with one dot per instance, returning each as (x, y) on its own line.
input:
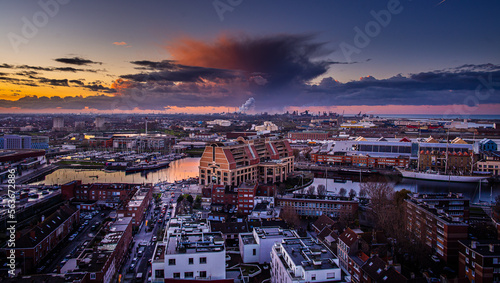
(394, 57)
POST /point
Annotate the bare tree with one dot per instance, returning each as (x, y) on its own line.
(342, 192)
(310, 191)
(362, 192)
(352, 194)
(290, 216)
(321, 190)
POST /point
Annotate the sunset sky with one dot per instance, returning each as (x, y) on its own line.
(381, 57)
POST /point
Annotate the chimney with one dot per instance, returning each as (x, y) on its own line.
(492, 248)
(43, 218)
(473, 244)
(33, 234)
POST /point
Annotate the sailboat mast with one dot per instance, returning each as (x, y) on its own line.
(447, 142)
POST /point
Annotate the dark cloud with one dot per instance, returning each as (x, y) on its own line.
(458, 85)
(78, 82)
(151, 65)
(282, 59)
(99, 88)
(76, 61)
(54, 82)
(6, 66)
(181, 73)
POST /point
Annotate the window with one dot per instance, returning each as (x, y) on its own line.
(203, 260)
(191, 261)
(203, 274)
(171, 261)
(188, 274)
(330, 275)
(177, 275)
(313, 277)
(92, 276)
(254, 251)
(159, 273)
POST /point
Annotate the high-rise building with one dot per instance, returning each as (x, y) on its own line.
(57, 123)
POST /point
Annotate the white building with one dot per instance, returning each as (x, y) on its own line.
(219, 122)
(256, 246)
(268, 126)
(188, 251)
(305, 260)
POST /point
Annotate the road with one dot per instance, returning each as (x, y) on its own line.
(68, 246)
(143, 236)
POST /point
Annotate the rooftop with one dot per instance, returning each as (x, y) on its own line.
(309, 254)
(195, 243)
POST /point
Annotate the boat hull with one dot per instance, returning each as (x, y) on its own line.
(442, 178)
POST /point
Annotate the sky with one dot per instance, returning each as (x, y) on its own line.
(187, 56)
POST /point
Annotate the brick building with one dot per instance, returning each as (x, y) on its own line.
(309, 135)
(109, 195)
(258, 159)
(438, 221)
(102, 261)
(331, 206)
(136, 207)
(33, 246)
(479, 261)
(372, 161)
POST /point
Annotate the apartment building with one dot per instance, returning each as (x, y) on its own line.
(104, 194)
(136, 207)
(304, 260)
(438, 221)
(256, 246)
(189, 251)
(246, 196)
(256, 159)
(479, 261)
(329, 205)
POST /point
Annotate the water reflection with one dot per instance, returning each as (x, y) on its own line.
(178, 170)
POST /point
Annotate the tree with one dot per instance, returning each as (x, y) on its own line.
(180, 198)
(362, 192)
(342, 192)
(197, 202)
(282, 189)
(310, 191)
(352, 194)
(321, 190)
(189, 198)
(290, 216)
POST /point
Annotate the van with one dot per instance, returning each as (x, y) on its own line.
(139, 277)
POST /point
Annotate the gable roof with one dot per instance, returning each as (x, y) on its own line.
(322, 222)
(44, 229)
(374, 267)
(348, 237)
